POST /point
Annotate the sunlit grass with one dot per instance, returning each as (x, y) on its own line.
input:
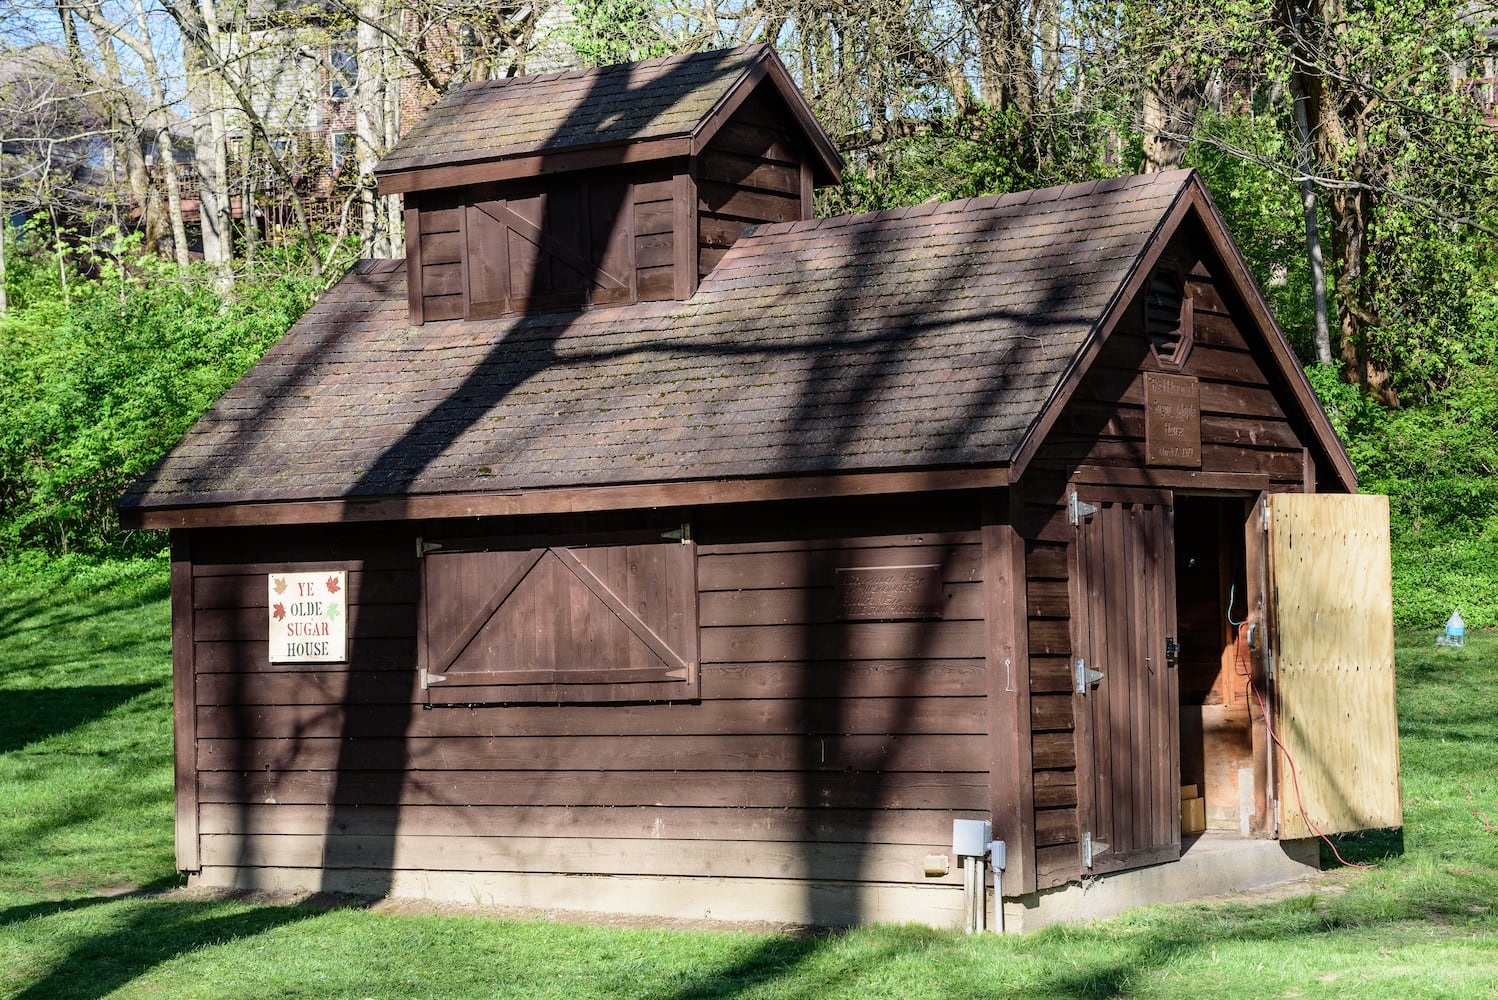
(85, 806)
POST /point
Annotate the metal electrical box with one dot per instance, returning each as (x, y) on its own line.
(970, 837)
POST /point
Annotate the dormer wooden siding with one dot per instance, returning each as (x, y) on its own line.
(561, 208)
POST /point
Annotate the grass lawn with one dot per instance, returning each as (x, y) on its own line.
(85, 810)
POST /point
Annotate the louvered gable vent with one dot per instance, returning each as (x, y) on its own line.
(1167, 316)
(604, 187)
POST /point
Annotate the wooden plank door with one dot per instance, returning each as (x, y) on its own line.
(1128, 729)
(559, 622)
(1331, 662)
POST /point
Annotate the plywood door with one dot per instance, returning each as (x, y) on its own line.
(1332, 656)
(1128, 738)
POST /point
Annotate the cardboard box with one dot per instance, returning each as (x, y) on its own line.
(1193, 815)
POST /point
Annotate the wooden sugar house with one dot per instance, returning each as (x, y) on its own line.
(641, 543)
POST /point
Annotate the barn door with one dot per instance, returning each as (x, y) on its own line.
(1128, 738)
(1330, 661)
(558, 249)
(596, 622)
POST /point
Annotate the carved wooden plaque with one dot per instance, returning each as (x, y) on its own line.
(884, 592)
(1172, 420)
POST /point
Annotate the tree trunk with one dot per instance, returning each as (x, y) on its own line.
(1048, 21)
(1312, 223)
(375, 238)
(165, 148)
(1004, 63)
(1352, 231)
(1168, 111)
(4, 302)
(130, 133)
(1336, 114)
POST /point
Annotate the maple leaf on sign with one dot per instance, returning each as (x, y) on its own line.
(280, 585)
(333, 609)
(332, 584)
(278, 612)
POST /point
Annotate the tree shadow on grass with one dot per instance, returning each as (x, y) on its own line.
(29, 716)
(774, 960)
(70, 605)
(147, 935)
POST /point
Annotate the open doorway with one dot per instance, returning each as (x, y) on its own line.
(1217, 732)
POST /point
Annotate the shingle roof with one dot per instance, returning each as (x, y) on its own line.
(524, 115)
(924, 337)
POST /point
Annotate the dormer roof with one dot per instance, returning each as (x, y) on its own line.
(525, 126)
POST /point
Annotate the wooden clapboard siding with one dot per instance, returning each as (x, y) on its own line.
(896, 791)
(589, 856)
(620, 234)
(1244, 429)
(1051, 705)
(854, 715)
(751, 172)
(655, 237)
(907, 826)
(819, 749)
(437, 281)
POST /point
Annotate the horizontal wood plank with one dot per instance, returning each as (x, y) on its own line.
(858, 826)
(253, 656)
(876, 753)
(726, 167)
(770, 790)
(723, 858)
(759, 679)
(249, 590)
(844, 641)
(372, 621)
(801, 605)
(1055, 826)
(852, 715)
(818, 567)
(1053, 750)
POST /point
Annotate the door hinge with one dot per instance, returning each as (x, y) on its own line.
(1091, 848)
(1076, 509)
(1086, 676)
(682, 534)
(423, 547)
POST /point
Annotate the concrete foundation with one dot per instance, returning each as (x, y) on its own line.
(1211, 864)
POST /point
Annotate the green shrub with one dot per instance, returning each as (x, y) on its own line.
(1438, 463)
(94, 391)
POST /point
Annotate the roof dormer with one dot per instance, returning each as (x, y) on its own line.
(600, 187)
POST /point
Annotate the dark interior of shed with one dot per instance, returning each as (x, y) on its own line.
(1211, 600)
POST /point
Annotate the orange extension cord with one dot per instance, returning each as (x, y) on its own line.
(1240, 645)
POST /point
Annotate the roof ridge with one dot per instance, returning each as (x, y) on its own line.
(578, 73)
(983, 203)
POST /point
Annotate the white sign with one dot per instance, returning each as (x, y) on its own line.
(307, 619)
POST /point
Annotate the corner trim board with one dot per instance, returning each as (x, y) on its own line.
(184, 706)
